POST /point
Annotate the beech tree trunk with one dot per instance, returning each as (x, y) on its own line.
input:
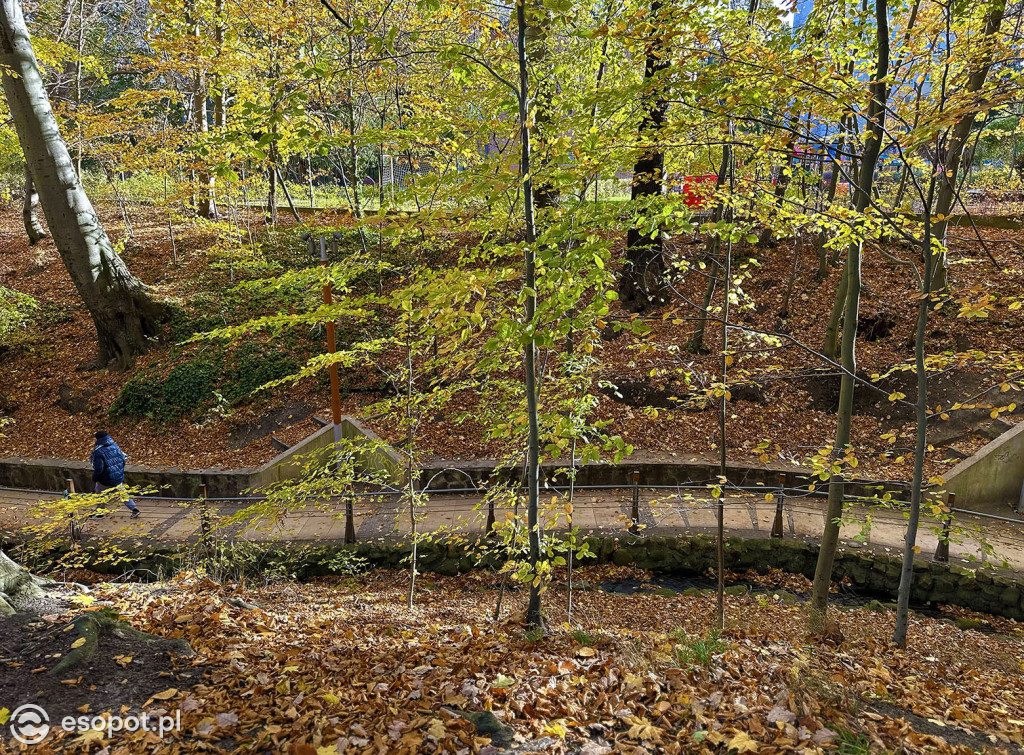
(220, 103)
(946, 193)
(642, 285)
(272, 184)
(125, 313)
(545, 195)
(33, 227)
(206, 205)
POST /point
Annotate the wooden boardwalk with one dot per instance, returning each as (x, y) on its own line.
(167, 522)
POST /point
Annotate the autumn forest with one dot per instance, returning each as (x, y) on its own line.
(570, 376)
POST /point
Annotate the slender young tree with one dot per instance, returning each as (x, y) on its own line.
(123, 309)
(534, 614)
(879, 93)
(714, 242)
(921, 439)
(830, 197)
(545, 195)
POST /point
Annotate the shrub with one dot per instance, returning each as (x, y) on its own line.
(242, 559)
(140, 397)
(252, 369)
(183, 323)
(16, 312)
(187, 387)
(53, 313)
(585, 638)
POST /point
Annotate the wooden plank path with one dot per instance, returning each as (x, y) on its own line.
(167, 522)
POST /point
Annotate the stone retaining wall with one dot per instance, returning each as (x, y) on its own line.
(872, 574)
(52, 474)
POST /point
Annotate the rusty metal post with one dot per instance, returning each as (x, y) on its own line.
(350, 525)
(942, 549)
(777, 529)
(634, 527)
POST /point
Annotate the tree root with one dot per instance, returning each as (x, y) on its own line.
(243, 604)
(18, 586)
(93, 625)
(487, 725)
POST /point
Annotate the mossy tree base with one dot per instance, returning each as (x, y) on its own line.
(18, 586)
(93, 626)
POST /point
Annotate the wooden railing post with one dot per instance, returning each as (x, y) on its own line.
(777, 529)
(942, 549)
(74, 528)
(634, 526)
(204, 519)
(489, 527)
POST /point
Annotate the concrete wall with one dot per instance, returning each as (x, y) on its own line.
(52, 474)
(990, 481)
(380, 459)
(288, 464)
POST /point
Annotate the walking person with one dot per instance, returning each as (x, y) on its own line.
(108, 467)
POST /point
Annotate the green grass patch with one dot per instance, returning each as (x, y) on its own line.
(691, 650)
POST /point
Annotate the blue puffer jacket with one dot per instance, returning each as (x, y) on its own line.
(107, 462)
